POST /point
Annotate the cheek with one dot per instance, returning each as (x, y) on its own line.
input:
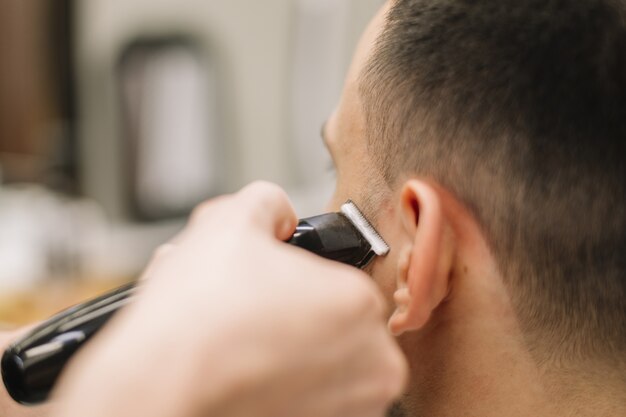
(334, 203)
(339, 197)
(383, 272)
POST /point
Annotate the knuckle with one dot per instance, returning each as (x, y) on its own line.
(161, 257)
(161, 251)
(397, 375)
(201, 211)
(265, 193)
(261, 201)
(206, 209)
(380, 305)
(263, 187)
(385, 393)
(365, 298)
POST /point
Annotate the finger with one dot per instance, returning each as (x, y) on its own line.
(159, 254)
(269, 208)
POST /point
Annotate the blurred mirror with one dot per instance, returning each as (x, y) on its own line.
(117, 117)
(171, 136)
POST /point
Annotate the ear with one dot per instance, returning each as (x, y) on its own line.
(425, 265)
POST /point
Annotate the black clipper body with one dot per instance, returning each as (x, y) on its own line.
(332, 236)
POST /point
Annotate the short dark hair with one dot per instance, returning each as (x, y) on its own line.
(519, 108)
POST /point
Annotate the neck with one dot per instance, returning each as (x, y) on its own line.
(471, 359)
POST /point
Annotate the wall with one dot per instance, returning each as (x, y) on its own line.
(281, 65)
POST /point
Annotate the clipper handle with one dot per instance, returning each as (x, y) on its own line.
(31, 366)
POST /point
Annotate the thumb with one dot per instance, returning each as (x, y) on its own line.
(269, 207)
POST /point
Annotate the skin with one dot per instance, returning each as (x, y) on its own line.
(445, 297)
(447, 301)
(212, 334)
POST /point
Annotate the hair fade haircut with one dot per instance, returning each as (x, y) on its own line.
(519, 108)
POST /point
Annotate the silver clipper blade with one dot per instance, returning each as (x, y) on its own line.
(352, 212)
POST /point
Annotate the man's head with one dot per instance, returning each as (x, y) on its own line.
(497, 124)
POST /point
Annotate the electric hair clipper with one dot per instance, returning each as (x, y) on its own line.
(31, 365)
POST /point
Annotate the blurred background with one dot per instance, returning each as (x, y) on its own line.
(117, 117)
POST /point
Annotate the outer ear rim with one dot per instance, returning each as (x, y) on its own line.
(430, 257)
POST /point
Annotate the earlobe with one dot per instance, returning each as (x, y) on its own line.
(423, 267)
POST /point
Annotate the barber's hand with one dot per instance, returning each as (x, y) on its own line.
(232, 322)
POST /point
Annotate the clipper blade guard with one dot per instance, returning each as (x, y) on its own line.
(352, 212)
